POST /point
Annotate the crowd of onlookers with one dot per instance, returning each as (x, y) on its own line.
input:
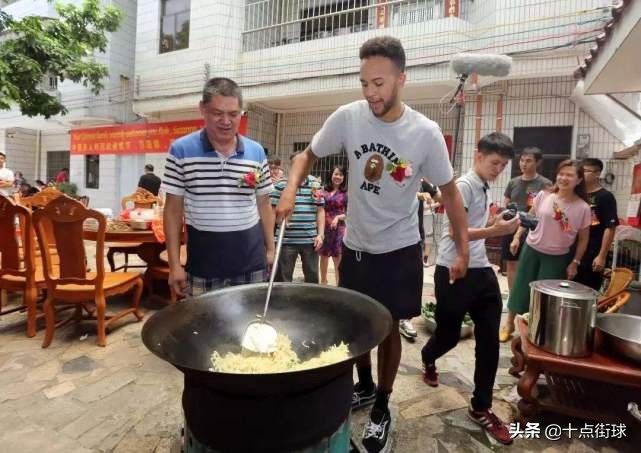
(316, 228)
(11, 182)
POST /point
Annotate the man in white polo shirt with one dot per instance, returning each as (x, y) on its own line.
(6, 177)
(478, 292)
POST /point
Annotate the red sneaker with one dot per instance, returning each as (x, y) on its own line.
(492, 424)
(430, 376)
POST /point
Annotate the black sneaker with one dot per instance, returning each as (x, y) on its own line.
(363, 397)
(376, 435)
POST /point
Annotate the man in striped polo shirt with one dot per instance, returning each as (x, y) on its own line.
(219, 181)
(304, 232)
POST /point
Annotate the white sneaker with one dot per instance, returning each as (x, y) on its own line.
(407, 329)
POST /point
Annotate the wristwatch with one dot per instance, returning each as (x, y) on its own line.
(575, 261)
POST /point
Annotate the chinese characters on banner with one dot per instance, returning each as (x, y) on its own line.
(135, 138)
(452, 8)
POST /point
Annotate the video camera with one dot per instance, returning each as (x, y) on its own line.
(527, 221)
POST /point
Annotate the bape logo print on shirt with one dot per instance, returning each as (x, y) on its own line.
(376, 167)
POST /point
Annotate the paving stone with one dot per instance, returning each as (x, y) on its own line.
(104, 387)
(82, 424)
(44, 372)
(53, 414)
(20, 389)
(94, 437)
(132, 442)
(59, 389)
(441, 401)
(456, 381)
(79, 364)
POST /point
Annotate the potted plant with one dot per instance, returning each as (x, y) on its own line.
(429, 308)
(68, 188)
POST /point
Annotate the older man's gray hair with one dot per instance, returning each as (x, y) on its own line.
(223, 87)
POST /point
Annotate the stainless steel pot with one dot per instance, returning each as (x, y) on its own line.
(562, 317)
(621, 334)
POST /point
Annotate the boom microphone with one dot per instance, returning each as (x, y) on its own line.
(481, 64)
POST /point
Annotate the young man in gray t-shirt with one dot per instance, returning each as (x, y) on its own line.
(390, 147)
(478, 292)
(520, 190)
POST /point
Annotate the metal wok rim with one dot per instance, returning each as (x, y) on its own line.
(346, 361)
(601, 320)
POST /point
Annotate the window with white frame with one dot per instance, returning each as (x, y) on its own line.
(174, 25)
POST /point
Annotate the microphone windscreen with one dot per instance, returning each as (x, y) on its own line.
(481, 64)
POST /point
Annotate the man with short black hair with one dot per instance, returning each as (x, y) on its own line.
(390, 147)
(478, 292)
(149, 181)
(602, 228)
(520, 190)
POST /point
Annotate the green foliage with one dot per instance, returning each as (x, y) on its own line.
(429, 308)
(63, 47)
(68, 188)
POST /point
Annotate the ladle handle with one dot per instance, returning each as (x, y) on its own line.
(279, 244)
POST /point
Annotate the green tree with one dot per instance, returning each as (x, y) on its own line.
(64, 47)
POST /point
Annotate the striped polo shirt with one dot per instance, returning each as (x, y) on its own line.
(225, 238)
(302, 228)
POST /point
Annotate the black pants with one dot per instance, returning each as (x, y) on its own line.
(479, 294)
(585, 275)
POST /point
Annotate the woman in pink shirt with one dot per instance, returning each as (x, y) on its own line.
(563, 214)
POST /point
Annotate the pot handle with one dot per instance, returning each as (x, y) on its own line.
(634, 410)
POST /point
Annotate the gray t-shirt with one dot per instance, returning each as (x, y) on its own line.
(522, 192)
(381, 215)
(476, 201)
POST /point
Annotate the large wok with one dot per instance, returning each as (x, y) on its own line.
(279, 411)
(313, 316)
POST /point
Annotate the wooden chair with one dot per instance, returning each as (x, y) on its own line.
(72, 284)
(141, 198)
(620, 279)
(18, 270)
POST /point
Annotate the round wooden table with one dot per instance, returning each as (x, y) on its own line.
(149, 250)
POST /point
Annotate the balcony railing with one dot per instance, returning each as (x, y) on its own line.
(271, 23)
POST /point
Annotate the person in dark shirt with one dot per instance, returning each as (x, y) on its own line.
(149, 180)
(604, 222)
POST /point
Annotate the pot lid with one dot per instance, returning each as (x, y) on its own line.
(565, 288)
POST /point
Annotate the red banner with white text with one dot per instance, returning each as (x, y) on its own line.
(135, 138)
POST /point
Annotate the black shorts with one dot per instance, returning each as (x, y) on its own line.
(505, 247)
(395, 279)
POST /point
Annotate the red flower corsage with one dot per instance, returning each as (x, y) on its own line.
(317, 193)
(400, 170)
(250, 179)
(561, 217)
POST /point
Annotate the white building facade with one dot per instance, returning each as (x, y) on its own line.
(39, 148)
(297, 60)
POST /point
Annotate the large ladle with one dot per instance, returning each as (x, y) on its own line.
(260, 336)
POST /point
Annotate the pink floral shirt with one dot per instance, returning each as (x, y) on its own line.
(559, 223)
